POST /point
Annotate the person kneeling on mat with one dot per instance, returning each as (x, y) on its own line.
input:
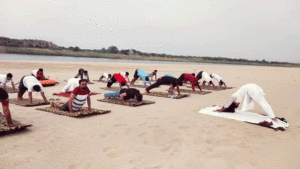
(166, 80)
(247, 94)
(79, 96)
(125, 94)
(117, 77)
(31, 84)
(5, 106)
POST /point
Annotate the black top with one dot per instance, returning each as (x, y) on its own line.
(130, 93)
(167, 80)
(199, 75)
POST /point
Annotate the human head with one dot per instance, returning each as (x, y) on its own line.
(41, 70)
(155, 70)
(9, 76)
(109, 75)
(138, 96)
(210, 76)
(147, 78)
(3, 95)
(36, 88)
(193, 74)
(127, 73)
(85, 72)
(83, 84)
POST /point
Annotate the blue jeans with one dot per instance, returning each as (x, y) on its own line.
(112, 94)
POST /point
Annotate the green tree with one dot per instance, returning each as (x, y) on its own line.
(113, 49)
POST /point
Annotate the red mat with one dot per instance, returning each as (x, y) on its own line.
(62, 94)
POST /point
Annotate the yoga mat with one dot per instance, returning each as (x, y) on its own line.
(212, 88)
(10, 90)
(133, 103)
(166, 95)
(4, 129)
(238, 115)
(25, 103)
(82, 112)
(191, 91)
(62, 94)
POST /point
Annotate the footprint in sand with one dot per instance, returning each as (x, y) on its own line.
(167, 149)
(135, 161)
(142, 124)
(111, 152)
(183, 127)
(141, 135)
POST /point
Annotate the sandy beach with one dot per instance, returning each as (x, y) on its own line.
(168, 134)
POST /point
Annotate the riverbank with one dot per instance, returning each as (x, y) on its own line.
(92, 54)
(168, 134)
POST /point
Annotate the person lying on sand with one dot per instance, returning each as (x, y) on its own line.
(5, 78)
(125, 94)
(30, 84)
(39, 74)
(117, 77)
(218, 78)
(166, 80)
(139, 73)
(105, 76)
(78, 97)
(248, 94)
(192, 79)
(5, 106)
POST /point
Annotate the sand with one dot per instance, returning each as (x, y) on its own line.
(168, 134)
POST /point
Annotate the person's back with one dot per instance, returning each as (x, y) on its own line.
(130, 93)
(30, 81)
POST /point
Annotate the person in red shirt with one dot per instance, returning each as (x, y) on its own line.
(5, 106)
(191, 78)
(117, 77)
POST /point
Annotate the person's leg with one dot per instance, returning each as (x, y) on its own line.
(157, 84)
(135, 77)
(112, 80)
(101, 77)
(22, 89)
(112, 94)
(56, 104)
(267, 108)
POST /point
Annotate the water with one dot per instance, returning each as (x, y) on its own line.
(23, 57)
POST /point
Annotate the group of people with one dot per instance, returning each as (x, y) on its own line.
(80, 93)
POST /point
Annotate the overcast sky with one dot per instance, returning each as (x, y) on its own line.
(249, 29)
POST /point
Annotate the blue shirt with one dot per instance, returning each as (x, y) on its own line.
(142, 74)
(169, 74)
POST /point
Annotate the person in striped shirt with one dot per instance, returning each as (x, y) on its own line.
(78, 98)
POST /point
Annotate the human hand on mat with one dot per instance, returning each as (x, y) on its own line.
(90, 110)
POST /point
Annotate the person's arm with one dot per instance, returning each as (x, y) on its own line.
(193, 85)
(199, 87)
(178, 90)
(89, 103)
(30, 97)
(127, 85)
(7, 115)
(120, 86)
(70, 102)
(13, 86)
(122, 98)
(171, 89)
(155, 77)
(44, 97)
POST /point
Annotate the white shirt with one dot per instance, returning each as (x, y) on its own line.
(3, 79)
(217, 77)
(105, 75)
(124, 75)
(246, 94)
(30, 81)
(206, 77)
(72, 84)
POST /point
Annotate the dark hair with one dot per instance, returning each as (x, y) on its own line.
(85, 71)
(139, 96)
(231, 108)
(9, 75)
(127, 73)
(211, 75)
(82, 80)
(155, 70)
(109, 75)
(41, 70)
(123, 83)
(147, 78)
(193, 74)
(3, 94)
(36, 88)
(210, 82)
